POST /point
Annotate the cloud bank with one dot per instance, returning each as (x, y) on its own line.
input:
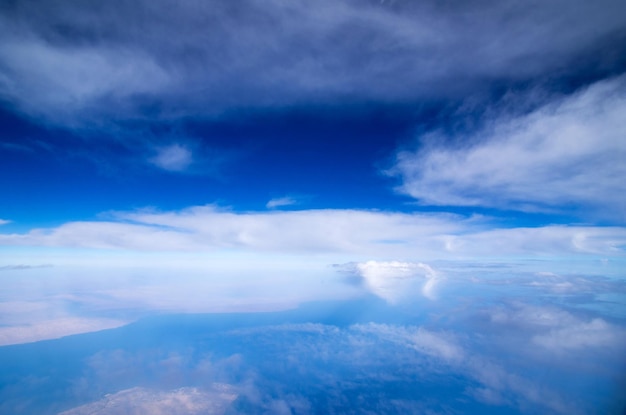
(73, 64)
(359, 232)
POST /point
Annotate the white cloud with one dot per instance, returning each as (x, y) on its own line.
(418, 338)
(568, 154)
(595, 333)
(394, 281)
(182, 401)
(367, 235)
(4, 221)
(558, 330)
(281, 201)
(173, 158)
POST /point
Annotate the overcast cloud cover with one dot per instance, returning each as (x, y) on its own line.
(416, 207)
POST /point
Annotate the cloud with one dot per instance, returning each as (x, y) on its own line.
(174, 158)
(71, 64)
(558, 330)
(596, 333)
(417, 338)
(4, 222)
(394, 281)
(371, 234)
(563, 156)
(281, 201)
(23, 266)
(183, 401)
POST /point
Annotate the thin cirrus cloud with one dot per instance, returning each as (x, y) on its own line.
(280, 202)
(174, 158)
(565, 155)
(70, 63)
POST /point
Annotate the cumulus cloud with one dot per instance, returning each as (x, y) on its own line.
(68, 62)
(563, 156)
(558, 330)
(174, 158)
(395, 281)
(373, 234)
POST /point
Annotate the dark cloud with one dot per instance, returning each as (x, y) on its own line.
(73, 62)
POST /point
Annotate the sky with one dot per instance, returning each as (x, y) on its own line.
(165, 157)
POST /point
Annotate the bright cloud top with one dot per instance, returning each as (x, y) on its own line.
(394, 280)
(368, 233)
(568, 154)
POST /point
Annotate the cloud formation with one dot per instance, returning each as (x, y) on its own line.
(281, 201)
(72, 64)
(395, 281)
(174, 158)
(373, 234)
(565, 155)
(181, 401)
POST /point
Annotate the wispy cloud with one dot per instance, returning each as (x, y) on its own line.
(174, 158)
(22, 266)
(4, 222)
(281, 201)
(564, 156)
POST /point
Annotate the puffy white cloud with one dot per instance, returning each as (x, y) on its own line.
(564, 156)
(173, 158)
(395, 281)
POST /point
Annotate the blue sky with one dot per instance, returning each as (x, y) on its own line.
(161, 156)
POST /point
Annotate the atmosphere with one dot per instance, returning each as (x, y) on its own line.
(292, 207)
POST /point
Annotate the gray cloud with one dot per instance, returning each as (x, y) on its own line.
(73, 63)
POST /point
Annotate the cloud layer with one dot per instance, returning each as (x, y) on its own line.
(565, 156)
(378, 235)
(72, 64)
